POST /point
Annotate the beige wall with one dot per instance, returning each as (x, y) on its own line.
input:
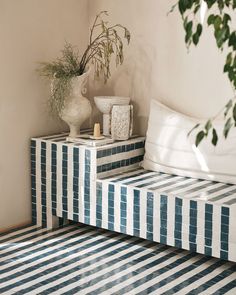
(30, 31)
(157, 64)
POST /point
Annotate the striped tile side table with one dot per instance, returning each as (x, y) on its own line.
(64, 175)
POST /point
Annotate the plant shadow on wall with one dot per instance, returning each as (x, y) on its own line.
(220, 14)
(69, 73)
(136, 80)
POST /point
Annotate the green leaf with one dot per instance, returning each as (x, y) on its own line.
(208, 126)
(195, 127)
(232, 40)
(197, 34)
(196, 9)
(234, 114)
(221, 35)
(234, 4)
(185, 5)
(211, 19)
(221, 4)
(226, 68)
(188, 31)
(195, 38)
(199, 138)
(214, 137)
(210, 3)
(185, 22)
(228, 107)
(229, 59)
(199, 29)
(217, 22)
(227, 127)
(181, 7)
(226, 18)
(231, 74)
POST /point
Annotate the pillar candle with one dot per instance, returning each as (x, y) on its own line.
(96, 130)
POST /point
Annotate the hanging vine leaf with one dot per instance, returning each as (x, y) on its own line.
(208, 126)
(199, 138)
(234, 115)
(219, 18)
(227, 127)
(195, 127)
(228, 107)
(214, 137)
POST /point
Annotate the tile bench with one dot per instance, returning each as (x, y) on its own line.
(105, 187)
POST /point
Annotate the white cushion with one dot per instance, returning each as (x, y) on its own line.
(168, 149)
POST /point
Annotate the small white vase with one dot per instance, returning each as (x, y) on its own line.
(77, 108)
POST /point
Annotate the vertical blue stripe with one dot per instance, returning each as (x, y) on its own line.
(193, 226)
(123, 209)
(43, 183)
(163, 219)
(76, 180)
(62, 221)
(33, 181)
(208, 229)
(136, 213)
(64, 180)
(111, 207)
(149, 217)
(224, 240)
(87, 186)
(54, 176)
(178, 222)
(99, 205)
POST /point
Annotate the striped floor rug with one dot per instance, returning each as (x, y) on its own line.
(79, 259)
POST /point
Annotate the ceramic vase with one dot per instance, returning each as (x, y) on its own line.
(77, 108)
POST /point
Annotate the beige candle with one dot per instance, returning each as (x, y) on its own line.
(96, 130)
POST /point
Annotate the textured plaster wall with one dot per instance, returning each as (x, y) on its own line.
(157, 64)
(30, 31)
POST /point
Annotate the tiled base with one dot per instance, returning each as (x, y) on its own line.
(79, 259)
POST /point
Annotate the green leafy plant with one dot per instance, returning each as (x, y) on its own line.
(219, 18)
(104, 42)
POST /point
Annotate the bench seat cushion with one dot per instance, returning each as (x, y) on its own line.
(193, 214)
(168, 148)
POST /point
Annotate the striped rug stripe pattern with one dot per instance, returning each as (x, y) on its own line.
(80, 259)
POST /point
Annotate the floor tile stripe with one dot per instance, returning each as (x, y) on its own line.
(196, 277)
(80, 259)
(79, 264)
(215, 278)
(140, 285)
(18, 236)
(18, 230)
(31, 259)
(123, 271)
(41, 243)
(112, 259)
(32, 264)
(44, 237)
(225, 289)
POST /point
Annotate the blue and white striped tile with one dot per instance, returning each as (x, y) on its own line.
(94, 261)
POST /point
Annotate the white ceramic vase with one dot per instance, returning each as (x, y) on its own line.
(77, 108)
